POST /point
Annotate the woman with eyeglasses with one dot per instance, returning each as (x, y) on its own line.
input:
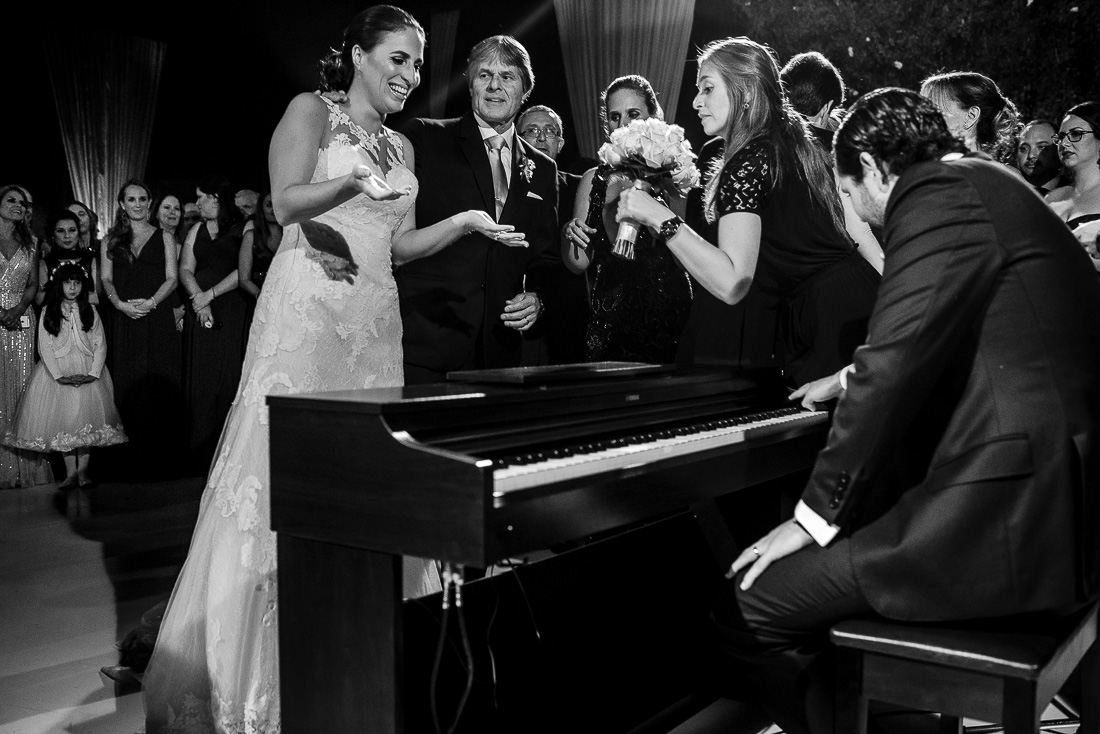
(1079, 203)
(639, 307)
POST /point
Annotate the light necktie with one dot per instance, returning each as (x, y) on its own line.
(500, 176)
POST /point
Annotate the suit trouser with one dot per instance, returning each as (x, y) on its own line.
(777, 633)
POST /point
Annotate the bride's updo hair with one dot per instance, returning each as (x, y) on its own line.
(366, 30)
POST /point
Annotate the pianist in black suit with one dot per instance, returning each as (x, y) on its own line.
(960, 477)
(468, 306)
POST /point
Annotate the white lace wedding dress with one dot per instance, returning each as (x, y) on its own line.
(216, 664)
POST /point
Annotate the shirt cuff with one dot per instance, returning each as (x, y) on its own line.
(818, 527)
(842, 376)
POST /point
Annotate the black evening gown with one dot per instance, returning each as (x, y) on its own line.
(143, 356)
(638, 307)
(824, 289)
(262, 255)
(212, 357)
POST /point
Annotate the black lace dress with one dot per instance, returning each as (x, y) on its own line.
(825, 289)
(640, 306)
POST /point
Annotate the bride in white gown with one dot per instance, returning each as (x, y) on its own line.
(327, 319)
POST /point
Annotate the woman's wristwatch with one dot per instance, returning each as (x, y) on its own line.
(669, 227)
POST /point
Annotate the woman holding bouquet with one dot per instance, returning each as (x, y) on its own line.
(640, 306)
(779, 215)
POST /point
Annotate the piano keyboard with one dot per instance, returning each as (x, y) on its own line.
(586, 459)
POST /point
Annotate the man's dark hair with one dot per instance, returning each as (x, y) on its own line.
(811, 81)
(1039, 121)
(898, 127)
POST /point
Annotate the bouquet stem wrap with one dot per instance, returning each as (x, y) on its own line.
(648, 150)
(628, 230)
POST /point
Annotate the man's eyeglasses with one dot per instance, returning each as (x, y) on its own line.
(534, 132)
(1074, 135)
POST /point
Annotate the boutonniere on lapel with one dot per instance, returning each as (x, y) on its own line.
(528, 169)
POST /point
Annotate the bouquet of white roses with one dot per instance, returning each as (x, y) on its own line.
(649, 150)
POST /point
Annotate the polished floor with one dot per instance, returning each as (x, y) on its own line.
(77, 570)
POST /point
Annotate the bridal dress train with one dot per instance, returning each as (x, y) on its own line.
(216, 664)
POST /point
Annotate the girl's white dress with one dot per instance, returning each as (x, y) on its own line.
(56, 417)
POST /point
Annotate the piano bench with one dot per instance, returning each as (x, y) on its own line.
(1008, 676)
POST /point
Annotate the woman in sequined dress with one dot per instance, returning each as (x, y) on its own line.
(638, 307)
(18, 287)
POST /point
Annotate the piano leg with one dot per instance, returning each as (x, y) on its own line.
(340, 638)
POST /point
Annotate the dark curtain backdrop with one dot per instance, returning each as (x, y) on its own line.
(604, 40)
(105, 90)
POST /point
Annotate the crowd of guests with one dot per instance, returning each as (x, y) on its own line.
(170, 287)
(376, 269)
(174, 282)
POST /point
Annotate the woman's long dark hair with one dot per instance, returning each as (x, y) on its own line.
(52, 222)
(179, 234)
(261, 227)
(55, 296)
(21, 232)
(121, 235)
(228, 213)
(759, 111)
(93, 223)
(366, 31)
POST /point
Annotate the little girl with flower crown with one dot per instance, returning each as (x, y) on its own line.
(69, 404)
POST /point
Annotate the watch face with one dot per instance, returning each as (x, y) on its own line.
(670, 227)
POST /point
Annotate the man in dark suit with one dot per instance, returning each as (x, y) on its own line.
(961, 475)
(467, 306)
(559, 336)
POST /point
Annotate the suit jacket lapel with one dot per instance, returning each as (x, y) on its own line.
(473, 147)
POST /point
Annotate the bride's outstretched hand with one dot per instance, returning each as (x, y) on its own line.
(505, 234)
(375, 186)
